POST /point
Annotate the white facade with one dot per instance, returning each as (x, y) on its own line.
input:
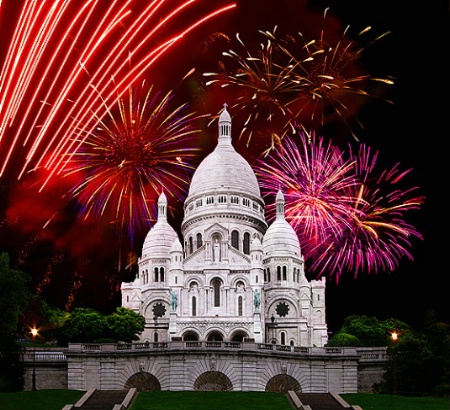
(233, 278)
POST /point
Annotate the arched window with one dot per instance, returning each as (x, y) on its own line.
(156, 275)
(278, 272)
(284, 273)
(194, 306)
(216, 289)
(155, 337)
(240, 306)
(246, 243)
(235, 239)
(191, 245)
(283, 338)
(161, 274)
(268, 274)
(199, 240)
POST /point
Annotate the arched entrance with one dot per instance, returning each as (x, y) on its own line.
(190, 336)
(281, 383)
(214, 336)
(143, 381)
(239, 336)
(213, 381)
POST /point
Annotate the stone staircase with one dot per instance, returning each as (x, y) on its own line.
(319, 401)
(104, 400)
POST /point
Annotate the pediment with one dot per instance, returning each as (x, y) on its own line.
(216, 228)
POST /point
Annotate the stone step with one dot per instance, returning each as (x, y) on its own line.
(321, 401)
(104, 399)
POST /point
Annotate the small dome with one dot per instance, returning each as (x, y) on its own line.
(281, 238)
(176, 246)
(256, 243)
(224, 115)
(160, 238)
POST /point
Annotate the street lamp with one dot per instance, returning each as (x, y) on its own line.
(394, 337)
(34, 333)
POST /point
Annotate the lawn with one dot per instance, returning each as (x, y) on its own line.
(390, 402)
(39, 400)
(195, 400)
(190, 400)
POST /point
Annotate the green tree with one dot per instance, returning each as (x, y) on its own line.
(85, 325)
(371, 331)
(13, 298)
(49, 320)
(341, 339)
(125, 324)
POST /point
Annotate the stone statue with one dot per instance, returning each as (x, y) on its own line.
(216, 251)
(174, 301)
(256, 298)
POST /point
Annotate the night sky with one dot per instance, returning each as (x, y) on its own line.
(77, 261)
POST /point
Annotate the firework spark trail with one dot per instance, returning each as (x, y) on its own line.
(348, 217)
(135, 152)
(142, 66)
(64, 56)
(287, 81)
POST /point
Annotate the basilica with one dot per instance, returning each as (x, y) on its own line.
(230, 277)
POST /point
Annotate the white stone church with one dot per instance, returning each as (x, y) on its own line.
(231, 277)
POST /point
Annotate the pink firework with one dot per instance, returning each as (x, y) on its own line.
(68, 58)
(139, 149)
(316, 183)
(377, 236)
(348, 218)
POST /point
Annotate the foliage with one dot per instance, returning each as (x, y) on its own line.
(48, 320)
(13, 297)
(125, 324)
(371, 331)
(343, 339)
(85, 325)
(419, 360)
(57, 320)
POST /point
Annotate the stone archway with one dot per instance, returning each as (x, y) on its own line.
(143, 381)
(190, 336)
(239, 336)
(214, 336)
(213, 381)
(281, 383)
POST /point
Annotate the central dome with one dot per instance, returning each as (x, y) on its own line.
(224, 168)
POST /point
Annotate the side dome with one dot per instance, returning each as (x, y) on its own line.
(161, 237)
(224, 168)
(280, 238)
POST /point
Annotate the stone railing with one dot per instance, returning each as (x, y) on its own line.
(36, 354)
(365, 353)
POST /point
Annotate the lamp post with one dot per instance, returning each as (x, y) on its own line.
(394, 337)
(34, 333)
